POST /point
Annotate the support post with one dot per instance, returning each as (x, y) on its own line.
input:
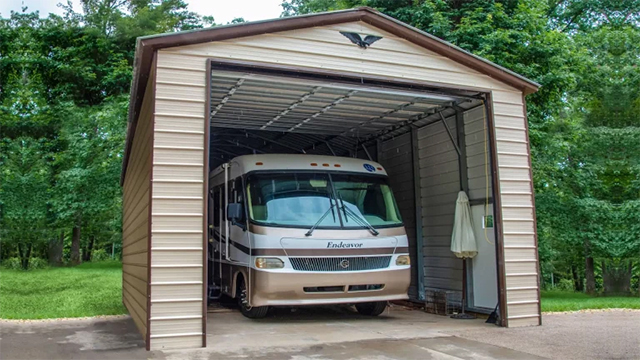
(418, 212)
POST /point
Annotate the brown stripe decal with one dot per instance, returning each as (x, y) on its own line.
(328, 252)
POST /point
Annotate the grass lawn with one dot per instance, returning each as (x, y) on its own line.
(571, 301)
(86, 290)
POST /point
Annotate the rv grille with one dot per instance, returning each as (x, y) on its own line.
(340, 263)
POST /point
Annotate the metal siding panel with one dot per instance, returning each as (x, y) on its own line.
(178, 202)
(177, 122)
(532, 321)
(177, 172)
(168, 240)
(135, 217)
(176, 308)
(522, 281)
(161, 275)
(161, 189)
(439, 184)
(326, 48)
(514, 310)
(396, 158)
(518, 240)
(521, 267)
(181, 342)
(519, 254)
(176, 291)
(174, 257)
(187, 154)
(175, 223)
(181, 326)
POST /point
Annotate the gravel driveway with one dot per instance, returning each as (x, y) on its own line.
(608, 334)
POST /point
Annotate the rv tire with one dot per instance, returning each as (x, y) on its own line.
(371, 308)
(252, 312)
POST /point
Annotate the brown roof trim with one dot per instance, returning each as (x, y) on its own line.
(146, 47)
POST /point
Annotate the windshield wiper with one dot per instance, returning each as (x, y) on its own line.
(330, 209)
(360, 220)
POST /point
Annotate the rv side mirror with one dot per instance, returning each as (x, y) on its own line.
(234, 212)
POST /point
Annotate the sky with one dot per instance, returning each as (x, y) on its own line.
(223, 11)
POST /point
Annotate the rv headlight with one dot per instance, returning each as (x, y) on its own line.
(269, 263)
(403, 260)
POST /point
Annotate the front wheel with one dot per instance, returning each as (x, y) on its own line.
(252, 312)
(371, 308)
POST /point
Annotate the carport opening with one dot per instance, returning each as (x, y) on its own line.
(432, 141)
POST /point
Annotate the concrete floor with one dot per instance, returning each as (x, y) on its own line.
(337, 333)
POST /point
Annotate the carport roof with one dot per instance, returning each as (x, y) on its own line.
(146, 46)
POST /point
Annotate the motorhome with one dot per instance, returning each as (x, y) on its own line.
(291, 230)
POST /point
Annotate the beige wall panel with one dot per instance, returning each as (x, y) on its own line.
(511, 148)
(182, 77)
(511, 135)
(533, 321)
(522, 295)
(170, 60)
(517, 213)
(515, 187)
(137, 314)
(522, 281)
(516, 200)
(176, 257)
(515, 173)
(175, 172)
(181, 342)
(176, 291)
(522, 309)
(520, 254)
(139, 272)
(379, 53)
(511, 226)
(135, 217)
(176, 223)
(164, 122)
(509, 97)
(176, 274)
(181, 92)
(329, 61)
(182, 308)
(172, 327)
(521, 267)
(135, 259)
(178, 138)
(136, 285)
(513, 160)
(180, 107)
(161, 189)
(161, 240)
(505, 109)
(509, 121)
(184, 155)
(163, 206)
(518, 240)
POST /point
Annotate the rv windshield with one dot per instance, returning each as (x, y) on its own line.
(301, 199)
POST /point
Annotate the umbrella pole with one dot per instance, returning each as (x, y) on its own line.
(463, 303)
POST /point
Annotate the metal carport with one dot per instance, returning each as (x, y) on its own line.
(439, 119)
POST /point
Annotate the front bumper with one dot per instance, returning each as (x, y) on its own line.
(272, 288)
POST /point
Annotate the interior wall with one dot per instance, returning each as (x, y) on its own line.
(439, 184)
(135, 217)
(396, 157)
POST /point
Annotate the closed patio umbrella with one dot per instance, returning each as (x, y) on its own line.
(463, 244)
